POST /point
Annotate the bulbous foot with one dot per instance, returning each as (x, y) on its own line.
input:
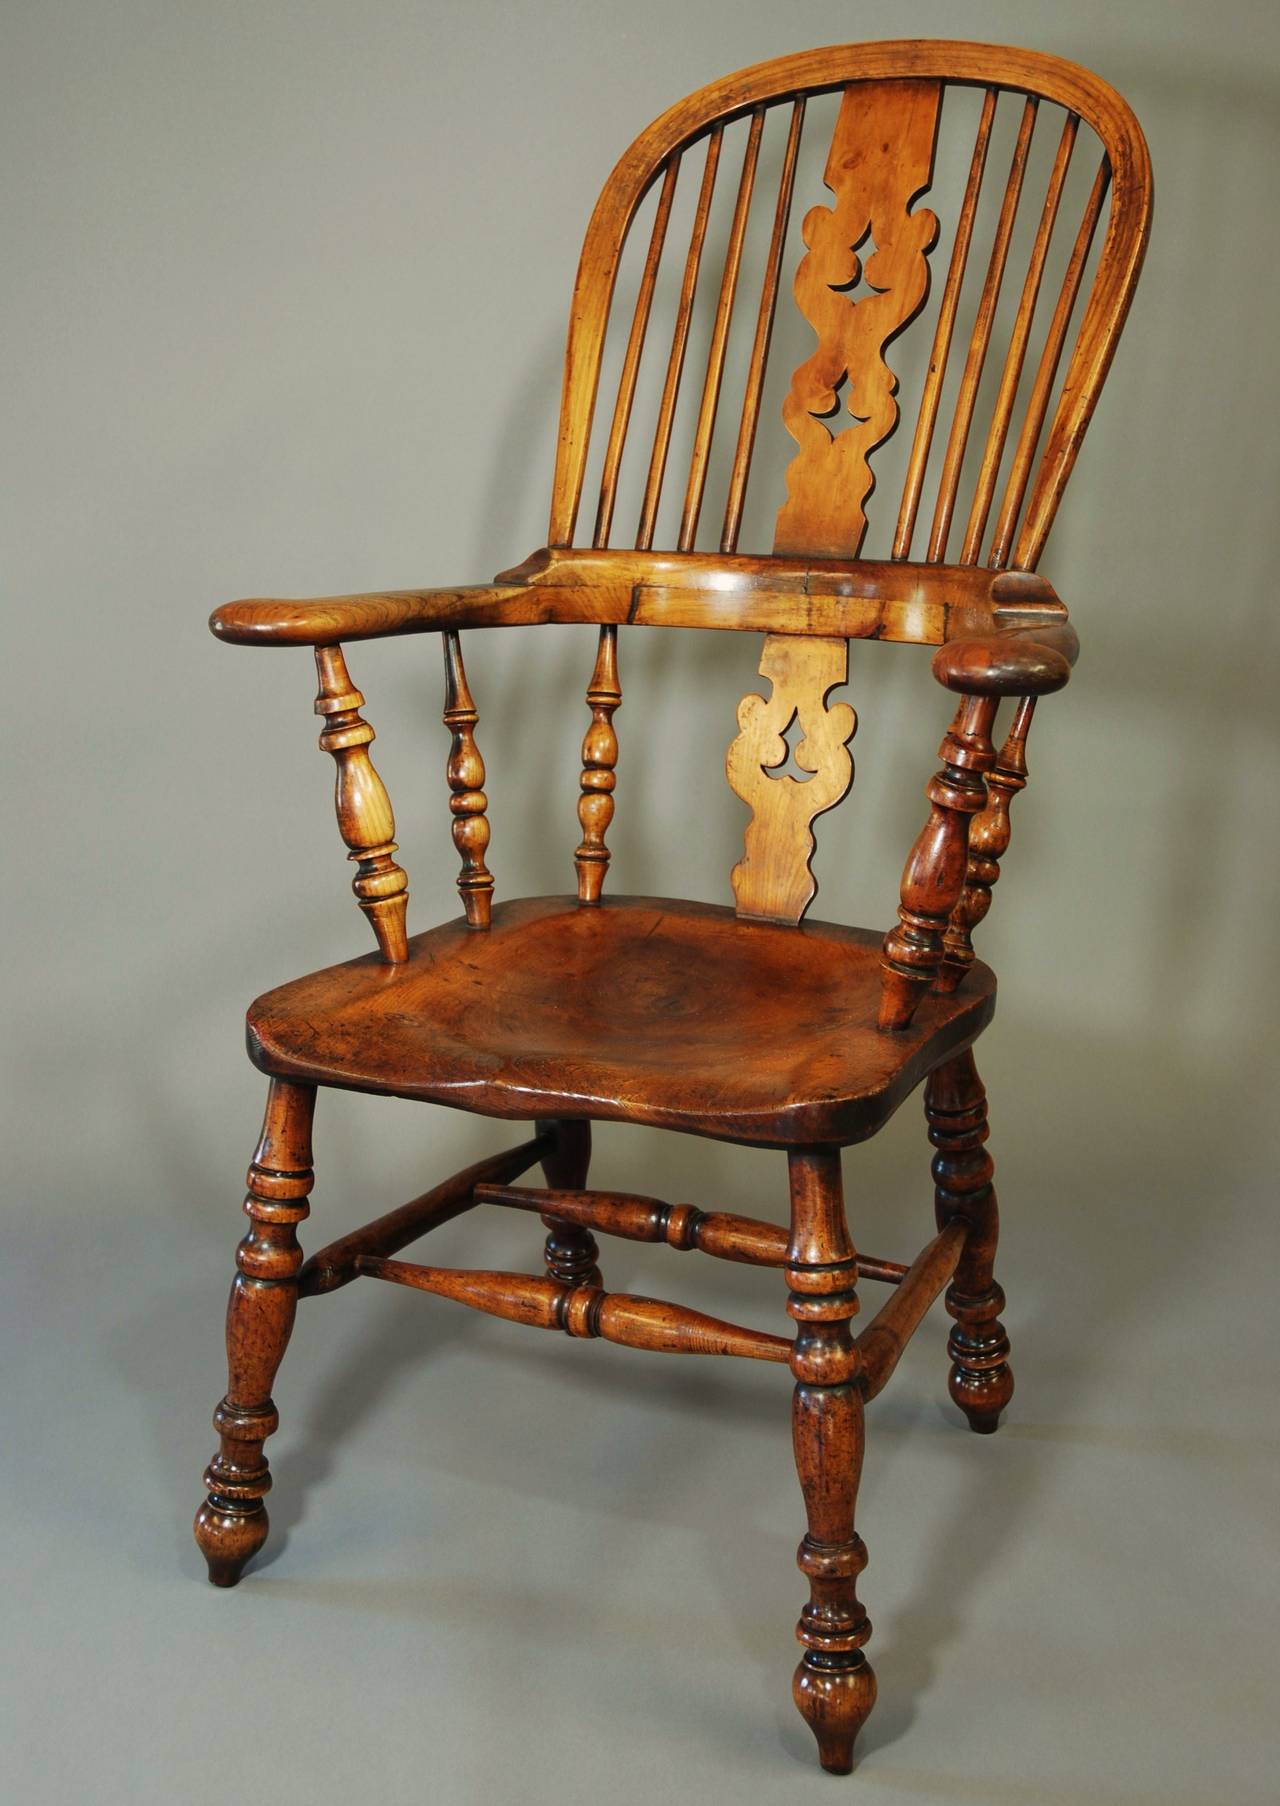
(834, 1702)
(981, 1379)
(229, 1537)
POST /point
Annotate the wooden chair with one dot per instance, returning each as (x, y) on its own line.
(747, 1024)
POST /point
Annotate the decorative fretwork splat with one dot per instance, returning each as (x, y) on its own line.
(773, 879)
(881, 160)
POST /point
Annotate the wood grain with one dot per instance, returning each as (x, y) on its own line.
(989, 835)
(850, 599)
(335, 1265)
(830, 477)
(635, 1011)
(599, 769)
(468, 803)
(955, 1104)
(231, 1526)
(585, 1311)
(363, 807)
(720, 1233)
(773, 880)
(882, 1343)
(834, 1687)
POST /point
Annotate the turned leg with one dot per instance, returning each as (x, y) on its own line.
(956, 1107)
(570, 1252)
(231, 1526)
(834, 1685)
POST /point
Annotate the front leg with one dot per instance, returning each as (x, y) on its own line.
(231, 1525)
(834, 1686)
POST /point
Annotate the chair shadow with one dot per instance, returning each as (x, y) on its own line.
(352, 1391)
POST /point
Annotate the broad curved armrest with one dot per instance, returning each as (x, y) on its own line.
(330, 619)
(1029, 660)
(858, 599)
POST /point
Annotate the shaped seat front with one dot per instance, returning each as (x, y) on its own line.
(640, 1009)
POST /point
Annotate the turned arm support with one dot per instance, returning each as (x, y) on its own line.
(946, 885)
(365, 818)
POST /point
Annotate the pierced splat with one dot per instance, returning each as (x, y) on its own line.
(773, 879)
(881, 159)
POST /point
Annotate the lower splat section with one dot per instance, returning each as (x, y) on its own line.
(773, 880)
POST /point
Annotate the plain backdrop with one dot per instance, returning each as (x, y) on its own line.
(284, 299)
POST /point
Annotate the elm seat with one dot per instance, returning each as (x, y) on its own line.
(638, 1010)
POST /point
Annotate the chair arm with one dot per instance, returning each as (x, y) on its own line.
(1025, 660)
(946, 886)
(327, 620)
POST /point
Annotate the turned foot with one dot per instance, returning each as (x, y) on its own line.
(231, 1526)
(981, 1379)
(229, 1538)
(834, 1702)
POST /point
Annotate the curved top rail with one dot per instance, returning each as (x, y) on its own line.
(823, 71)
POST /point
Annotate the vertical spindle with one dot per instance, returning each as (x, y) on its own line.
(599, 762)
(1002, 413)
(365, 818)
(679, 345)
(764, 332)
(719, 340)
(972, 376)
(631, 361)
(932, 393)
(1037, 406)
(468, 803)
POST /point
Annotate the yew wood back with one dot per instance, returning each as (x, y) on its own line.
(862, 280)
(879, 165)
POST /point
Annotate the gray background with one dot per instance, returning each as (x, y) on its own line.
(284, 302)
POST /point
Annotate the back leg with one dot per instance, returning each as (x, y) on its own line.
(570, 1252)
(231, 1525)
(955, 1104)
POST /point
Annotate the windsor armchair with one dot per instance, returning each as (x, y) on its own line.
(747, 1023)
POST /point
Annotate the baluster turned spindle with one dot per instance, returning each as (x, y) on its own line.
(934, 877)
(989, 834)
(599, 762)
(365, 819)
(468, 802)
